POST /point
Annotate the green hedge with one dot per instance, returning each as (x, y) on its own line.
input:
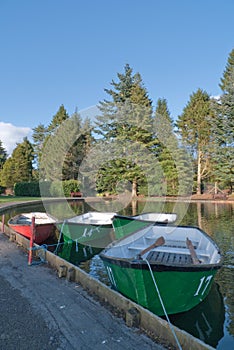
(32, 189)
(46, 188)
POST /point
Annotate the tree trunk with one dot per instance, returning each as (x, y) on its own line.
(134, 188)
(199, 215)
(216, 188)
(134, 207)
(199, 173)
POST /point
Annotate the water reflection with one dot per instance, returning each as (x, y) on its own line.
(206, 320)
(77, 253)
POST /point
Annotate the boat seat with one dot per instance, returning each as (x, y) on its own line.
(169, 258)
(173, 243)
(169, 249)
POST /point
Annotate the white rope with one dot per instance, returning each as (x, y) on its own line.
(60, 236)
(161, 301)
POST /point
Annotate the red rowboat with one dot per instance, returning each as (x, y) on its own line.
(44, 225)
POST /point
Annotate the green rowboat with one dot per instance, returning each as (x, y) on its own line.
(166, 269)
(91, 228)
(123, 225)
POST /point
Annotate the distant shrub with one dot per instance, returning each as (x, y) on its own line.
(46, 188)
(64, 188)
(32, 189)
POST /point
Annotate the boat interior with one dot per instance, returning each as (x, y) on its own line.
(26, 219)
(157, 217)
(93, 218)
(181, 246)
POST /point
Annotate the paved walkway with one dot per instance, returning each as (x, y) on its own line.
(39, 311)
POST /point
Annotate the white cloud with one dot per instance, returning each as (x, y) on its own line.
(10, 135)
(217, 97)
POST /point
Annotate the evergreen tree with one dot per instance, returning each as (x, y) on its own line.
(18, 168)
(3, 155)
(39, 135)
(58, 119)
(57, 151)
(194, 127)
(42, 135)
(23, 156)
(165, 141)
(173, 159)
(126, 118)
(225, 81)
(78, 149)
(226, 110)
(64, 147)
(223, 129)
(7, 178)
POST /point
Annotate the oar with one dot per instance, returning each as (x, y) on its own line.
(160, 241)
(193, 254)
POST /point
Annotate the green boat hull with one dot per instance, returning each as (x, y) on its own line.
(97, 236)
(180, 289)
(123, 226)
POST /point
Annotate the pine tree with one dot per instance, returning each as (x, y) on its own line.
(226, 80)
(3, 155)
(226, 110)
(23, 156)
(164, 135)
(58, 119)
(194, 127)
(43, 135)
(127, 118)
(55, 151)
(223, 129)
(7, 174)
(176, 165)
(78, 149)
(19, 167)
(39, 135)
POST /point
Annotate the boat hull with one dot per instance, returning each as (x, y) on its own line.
(42, 232)
(180, 288)
(86, 234)
(44, 225)
(124, 225)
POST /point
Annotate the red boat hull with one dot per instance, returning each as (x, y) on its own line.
(44, 225)
(42, 232)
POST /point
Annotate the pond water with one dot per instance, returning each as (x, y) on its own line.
(213, 320)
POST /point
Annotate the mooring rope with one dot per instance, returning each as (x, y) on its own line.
(162, 304)
(60, 236)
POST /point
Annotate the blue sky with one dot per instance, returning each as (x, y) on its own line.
(66, 52)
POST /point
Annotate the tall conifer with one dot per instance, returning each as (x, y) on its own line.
(126, 119)
(194, 125)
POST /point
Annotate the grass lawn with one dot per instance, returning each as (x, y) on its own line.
(9, 199)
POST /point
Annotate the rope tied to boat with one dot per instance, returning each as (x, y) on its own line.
(60, 237)
(162, 304)
(40, 256)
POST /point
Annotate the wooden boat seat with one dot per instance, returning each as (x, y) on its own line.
(171, 249)
(178, 250)
(174, 243)
(169, 258)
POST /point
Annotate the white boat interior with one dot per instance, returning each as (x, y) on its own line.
(173, 250)
(157, 217)
(93, 218)
(40, 218)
